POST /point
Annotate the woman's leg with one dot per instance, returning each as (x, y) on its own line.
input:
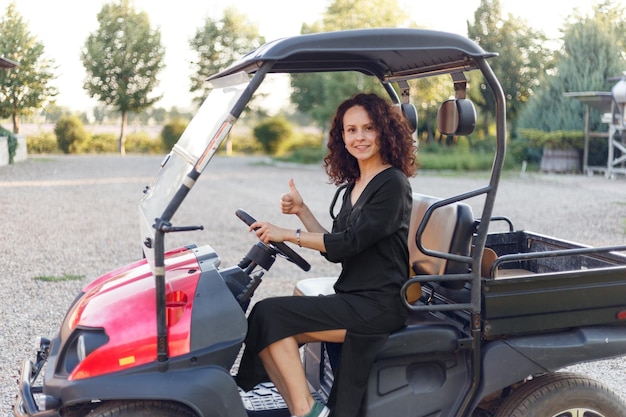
(283, 365)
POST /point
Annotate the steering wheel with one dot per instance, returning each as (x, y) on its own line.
(279, 247)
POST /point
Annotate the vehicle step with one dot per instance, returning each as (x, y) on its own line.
(265, 398)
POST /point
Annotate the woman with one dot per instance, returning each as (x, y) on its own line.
(371, 150)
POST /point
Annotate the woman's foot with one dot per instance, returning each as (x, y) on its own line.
(318, 410)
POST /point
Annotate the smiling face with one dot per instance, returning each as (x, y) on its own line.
(360, 135)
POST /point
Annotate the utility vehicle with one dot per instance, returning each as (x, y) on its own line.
(493, 316)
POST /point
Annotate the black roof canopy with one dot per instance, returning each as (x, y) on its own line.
(7, 63)
(392, 53)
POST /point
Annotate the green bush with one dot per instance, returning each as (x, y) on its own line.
(272, 132)
(102, 143)
(529, 144)
(452, 159)
(42, 142)
(558, 139)
(243, 144)
(303, 148)
(431, 148)
(522, 149)
(172, 131)
(304, 156)
(301, 140)
(482, 144)
(71, 134)
(141, 142)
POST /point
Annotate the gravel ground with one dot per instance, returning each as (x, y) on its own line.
(77, 215)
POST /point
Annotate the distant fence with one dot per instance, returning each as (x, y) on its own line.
(560, 160)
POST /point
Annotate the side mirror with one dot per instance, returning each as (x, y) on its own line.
(456, 117)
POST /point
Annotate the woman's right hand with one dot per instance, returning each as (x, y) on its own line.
(291, 202)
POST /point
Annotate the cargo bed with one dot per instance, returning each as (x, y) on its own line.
(536, 283)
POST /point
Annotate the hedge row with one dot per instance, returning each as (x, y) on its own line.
(139, 142)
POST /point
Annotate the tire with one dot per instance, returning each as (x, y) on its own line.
(142, 409)
(562, 395)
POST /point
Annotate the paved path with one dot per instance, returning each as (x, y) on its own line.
(77, 215)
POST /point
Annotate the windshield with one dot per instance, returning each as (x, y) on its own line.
(189, 157)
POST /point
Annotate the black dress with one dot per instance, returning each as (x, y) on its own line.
(370, 240)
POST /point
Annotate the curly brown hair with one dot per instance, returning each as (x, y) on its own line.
(397, 146)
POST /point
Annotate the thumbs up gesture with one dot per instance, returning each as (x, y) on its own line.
(291, 202)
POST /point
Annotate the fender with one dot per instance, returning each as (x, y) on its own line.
(549, 352)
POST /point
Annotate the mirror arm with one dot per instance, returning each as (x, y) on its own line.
(460, 85)
(405, 91)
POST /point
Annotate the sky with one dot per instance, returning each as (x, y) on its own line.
(64, 25)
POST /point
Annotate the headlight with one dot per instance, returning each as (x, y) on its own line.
(80, 345)
(80, 348)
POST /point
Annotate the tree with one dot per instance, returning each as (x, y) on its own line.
(592, 52)
(123, 59)
(521, 62)
(218, 44)
(318, 95)
(26, 87)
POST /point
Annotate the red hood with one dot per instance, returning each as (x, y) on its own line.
(123, 302)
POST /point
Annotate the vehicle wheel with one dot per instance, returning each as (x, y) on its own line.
(142, 409)
(562, 395)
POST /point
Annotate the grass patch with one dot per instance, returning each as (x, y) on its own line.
(461, 161)
(54, 278)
